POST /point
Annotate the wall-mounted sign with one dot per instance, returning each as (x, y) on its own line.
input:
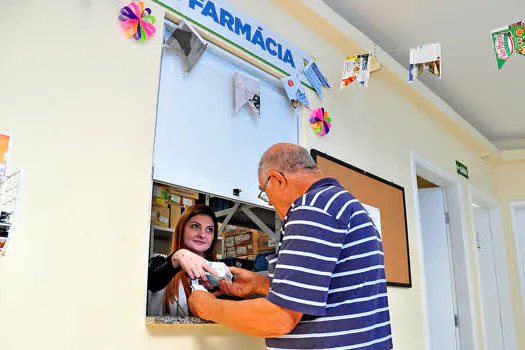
(228, 23)
(462, 169)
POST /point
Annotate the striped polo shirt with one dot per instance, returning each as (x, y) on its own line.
(330, 267)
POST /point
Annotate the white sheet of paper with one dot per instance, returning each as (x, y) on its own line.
(375, 215)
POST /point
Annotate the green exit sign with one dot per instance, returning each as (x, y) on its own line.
(462, 169)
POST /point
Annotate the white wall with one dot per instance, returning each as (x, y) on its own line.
(79, 100)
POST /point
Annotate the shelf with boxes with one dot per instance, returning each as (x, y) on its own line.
(167, 205)
(245, 231)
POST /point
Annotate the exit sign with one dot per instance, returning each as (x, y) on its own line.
(462, 169)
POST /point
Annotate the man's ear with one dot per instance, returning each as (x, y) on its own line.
(279, 177)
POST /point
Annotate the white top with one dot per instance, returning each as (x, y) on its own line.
(155, 304)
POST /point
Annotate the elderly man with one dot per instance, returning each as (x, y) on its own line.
(326, 287)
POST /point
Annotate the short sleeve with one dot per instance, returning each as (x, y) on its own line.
(310, 249)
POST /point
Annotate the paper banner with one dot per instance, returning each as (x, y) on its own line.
(295, 91)
(4, 154)
(187, 42)
(316, 78)
(508, 40)
(247, 90)
(320, 122)
(425, 58)
(356, 68)
(137, 21)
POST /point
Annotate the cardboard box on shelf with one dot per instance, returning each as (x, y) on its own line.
(160, 191)
(160, 215)
(175, 213)
(174, 198)
(246, 249)
(187, 202)
(265, 243)
(243, 238)
(230, 252)
(182, 192)
(229, 241)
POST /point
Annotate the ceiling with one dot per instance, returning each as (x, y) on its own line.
(492, 101)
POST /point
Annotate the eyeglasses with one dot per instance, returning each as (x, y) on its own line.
(262, 195)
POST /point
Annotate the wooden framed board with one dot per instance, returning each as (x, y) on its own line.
(388, 201)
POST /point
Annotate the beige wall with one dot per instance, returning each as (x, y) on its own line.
(80, 104)
(511, 187)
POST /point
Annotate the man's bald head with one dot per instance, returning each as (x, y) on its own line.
(288, 158)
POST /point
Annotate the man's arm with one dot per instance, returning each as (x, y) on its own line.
(255, 317)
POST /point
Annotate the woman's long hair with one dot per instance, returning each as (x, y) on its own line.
(171, 291)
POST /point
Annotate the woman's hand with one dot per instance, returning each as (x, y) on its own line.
(194, 265)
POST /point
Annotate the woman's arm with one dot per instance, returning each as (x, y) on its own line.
(160, 272)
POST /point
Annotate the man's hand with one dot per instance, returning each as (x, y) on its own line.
(246, 283)
(199, 302)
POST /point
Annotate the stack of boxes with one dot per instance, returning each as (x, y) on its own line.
(241, 242)
(169, 203)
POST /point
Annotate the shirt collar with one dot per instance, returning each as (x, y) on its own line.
(326, 181)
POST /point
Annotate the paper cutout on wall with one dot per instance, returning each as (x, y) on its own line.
(320, 121)
(508, 40)
(137, 21)
(4, 154)
(425, 58)
(316, 78)
(375, 215)
(295, 91)
(356, 68)
(247, 90)
(187, 42)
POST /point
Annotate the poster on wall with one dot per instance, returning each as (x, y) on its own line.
(4, 154)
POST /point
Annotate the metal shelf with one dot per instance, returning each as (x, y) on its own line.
(165, 229)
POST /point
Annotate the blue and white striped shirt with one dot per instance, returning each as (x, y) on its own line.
(330, 267)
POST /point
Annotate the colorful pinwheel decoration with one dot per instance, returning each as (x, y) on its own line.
(320, 121)
(137, 21)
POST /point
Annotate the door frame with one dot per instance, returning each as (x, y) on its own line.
(500, 264)
(514, 206)
(461, 262)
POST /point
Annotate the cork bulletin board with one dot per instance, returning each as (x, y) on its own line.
(389, 199)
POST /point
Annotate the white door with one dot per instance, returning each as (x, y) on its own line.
(488, 281)
(519, 227)
(441, 302)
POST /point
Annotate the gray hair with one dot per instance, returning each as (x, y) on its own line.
(290, 158)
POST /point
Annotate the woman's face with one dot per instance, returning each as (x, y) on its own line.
(198, 234)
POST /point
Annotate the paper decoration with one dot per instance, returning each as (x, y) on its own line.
(4, 154)
(247, 90)
(356, 68)
(320, 121)
(508, 40)
(316, 78)
(188, 42)
(295, 91)
(137, 21)
(425, 58)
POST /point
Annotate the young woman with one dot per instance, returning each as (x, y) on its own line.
(193, 244)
